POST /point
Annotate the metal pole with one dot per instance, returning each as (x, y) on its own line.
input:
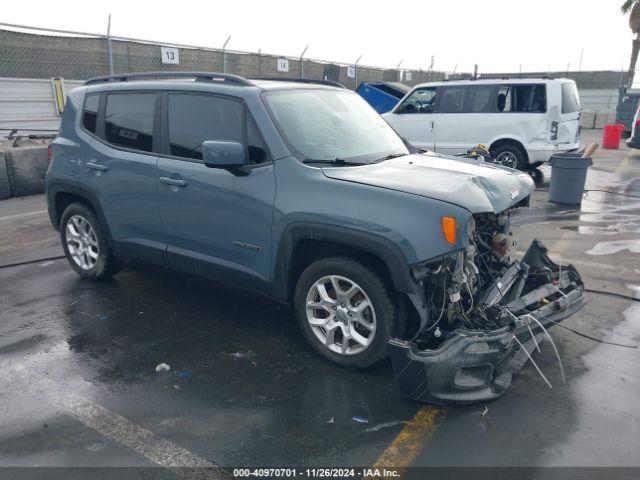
(399, 72)
(224, 55)
(302, 61)
(355, 72)
(581, 56)
(109, 46)
(259, 62)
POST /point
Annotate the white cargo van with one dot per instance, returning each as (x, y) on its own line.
(522, 121)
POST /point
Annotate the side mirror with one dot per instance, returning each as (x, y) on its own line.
(218, 154)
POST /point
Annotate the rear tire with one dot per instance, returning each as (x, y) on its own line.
(85, 243)
(510, 155)
(350, 325)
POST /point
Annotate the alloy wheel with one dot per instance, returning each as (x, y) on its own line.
(341, 315)
(82, 242)
(507, 158)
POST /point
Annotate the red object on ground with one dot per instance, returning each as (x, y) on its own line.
(611, 136)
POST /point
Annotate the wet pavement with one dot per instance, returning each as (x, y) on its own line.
(79, 385)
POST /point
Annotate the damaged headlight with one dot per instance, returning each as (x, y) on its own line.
(471, 228)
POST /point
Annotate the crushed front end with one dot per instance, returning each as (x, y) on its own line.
(482, 315)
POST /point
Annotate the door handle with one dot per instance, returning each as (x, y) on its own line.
(174, 182)
(96, 166)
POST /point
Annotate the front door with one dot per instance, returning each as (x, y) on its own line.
(414, 118)
(216, 222)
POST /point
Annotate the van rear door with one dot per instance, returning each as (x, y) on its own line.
(568, 135)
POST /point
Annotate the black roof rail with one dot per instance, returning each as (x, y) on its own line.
(329, 83)
(199, 76)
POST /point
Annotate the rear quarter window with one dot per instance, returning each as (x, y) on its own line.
(90, 113)
(570, 98)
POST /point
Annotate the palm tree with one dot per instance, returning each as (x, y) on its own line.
(633, 7)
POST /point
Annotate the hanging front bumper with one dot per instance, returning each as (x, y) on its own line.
(473, 366)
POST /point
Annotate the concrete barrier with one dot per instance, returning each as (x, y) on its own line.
(587, 119)
(604, 118)
(24, 168)
(5, 189)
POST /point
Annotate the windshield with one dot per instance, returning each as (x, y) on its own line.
(326, 125)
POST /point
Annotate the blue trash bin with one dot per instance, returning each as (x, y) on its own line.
(568, 176)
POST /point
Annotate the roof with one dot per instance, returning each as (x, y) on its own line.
(160, 80)
(492, 81)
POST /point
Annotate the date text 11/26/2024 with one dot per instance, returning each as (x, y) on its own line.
(346, 473)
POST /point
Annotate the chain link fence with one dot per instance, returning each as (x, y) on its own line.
(30, 52)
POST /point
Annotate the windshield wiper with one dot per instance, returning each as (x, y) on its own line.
(334, 161)
(389, 157)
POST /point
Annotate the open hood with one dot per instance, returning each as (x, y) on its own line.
(478, 187)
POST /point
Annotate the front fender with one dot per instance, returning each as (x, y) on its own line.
(376, 245)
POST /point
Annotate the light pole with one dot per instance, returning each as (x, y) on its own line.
(355, 71)
(302, 61)
(224, 55)
(398, 68)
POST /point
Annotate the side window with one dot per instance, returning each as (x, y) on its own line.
(421, 100)
(504, 99)
(530, 98)
(451, 101)
(129, 120)
(90, 112)
(257, 149)
(194, 119)
(477, 99)
(522, 98)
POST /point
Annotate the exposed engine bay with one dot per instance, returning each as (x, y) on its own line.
(482, 316)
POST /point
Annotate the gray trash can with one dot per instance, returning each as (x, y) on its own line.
(568, 175)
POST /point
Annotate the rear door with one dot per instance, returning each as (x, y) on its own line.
(414, 117)
(120, 168)
(569, 127)
(216, 222)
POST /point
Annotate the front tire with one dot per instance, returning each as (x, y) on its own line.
(345, 311)
(85, 243)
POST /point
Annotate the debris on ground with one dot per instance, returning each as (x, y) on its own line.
(104, 316)
(331, 420)
(360, 419)
(184, 374)
(380, 426)
(241, 354)
(486, 409)
(162, 367)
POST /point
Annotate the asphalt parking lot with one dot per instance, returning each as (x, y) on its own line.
(79, 385)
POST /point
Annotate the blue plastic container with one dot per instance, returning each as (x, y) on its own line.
(381, 96)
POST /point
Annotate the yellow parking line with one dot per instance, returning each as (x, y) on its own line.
(410, 441)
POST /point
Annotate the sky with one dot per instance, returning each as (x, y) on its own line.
(498, 35)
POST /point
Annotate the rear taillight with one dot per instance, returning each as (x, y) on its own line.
(49, 152)
(637, 123)
(554, 130)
